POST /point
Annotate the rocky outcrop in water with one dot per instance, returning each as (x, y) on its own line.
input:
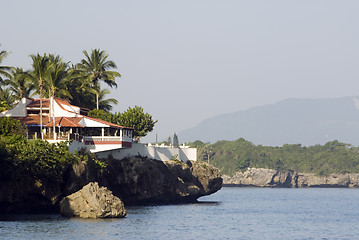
(140, 180)
(92, 201)
(134, 180)
(260, 177)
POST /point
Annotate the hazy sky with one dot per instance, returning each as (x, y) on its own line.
(184, 61)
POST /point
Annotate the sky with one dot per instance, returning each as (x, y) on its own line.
(185, 61)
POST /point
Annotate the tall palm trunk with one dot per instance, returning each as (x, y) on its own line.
(97, 104)
(97, 93)
(40, 86)
(53, 114)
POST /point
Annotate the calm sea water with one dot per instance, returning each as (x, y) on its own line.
(231, 213)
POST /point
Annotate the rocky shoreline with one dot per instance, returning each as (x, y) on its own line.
(261, 177)
(135, 181)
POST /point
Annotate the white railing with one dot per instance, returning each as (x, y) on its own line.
(100, 138)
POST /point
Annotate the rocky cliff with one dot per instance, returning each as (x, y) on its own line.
(141, 180)
(134, 180)
(260, 177)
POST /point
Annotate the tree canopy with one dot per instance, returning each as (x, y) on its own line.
(96, 67)
(232, 156)
(141, 122)
(175, 140)
(135, 118)
(51, 76)
(4, 70)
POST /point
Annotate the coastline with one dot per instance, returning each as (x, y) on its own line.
(261, 177)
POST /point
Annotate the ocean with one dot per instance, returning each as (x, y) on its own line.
(231, 213)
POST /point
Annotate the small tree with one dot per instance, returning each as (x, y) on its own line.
(169, 141)
(208, 153)
(175, 140)
(141, 122)
(104, 115)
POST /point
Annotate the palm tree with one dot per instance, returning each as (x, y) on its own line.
(7, 99)
(4, 70)
(80, 88)
(55, 82)
(20, 83)
(40, 65)
(96, 67)
(57, 78)
(105, 104)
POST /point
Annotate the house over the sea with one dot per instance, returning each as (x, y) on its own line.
(62, 121)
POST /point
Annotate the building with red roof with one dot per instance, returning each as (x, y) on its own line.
(62, 121)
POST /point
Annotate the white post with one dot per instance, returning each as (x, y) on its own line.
(103, 133)
(52, 114)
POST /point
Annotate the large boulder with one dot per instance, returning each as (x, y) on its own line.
(92, 201)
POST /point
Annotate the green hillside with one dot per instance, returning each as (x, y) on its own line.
(232, 156)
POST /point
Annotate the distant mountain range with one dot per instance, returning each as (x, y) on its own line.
(293, 121)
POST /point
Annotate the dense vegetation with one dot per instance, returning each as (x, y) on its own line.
(51, 76)
(232, 156)
(79, 83)
(142, 123)
(28, 160)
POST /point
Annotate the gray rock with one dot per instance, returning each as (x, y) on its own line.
(135, 180)
(138, 180)
(92, 201)
(261, 177)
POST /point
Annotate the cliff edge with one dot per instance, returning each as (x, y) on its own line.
(261, 177)
(135, 180)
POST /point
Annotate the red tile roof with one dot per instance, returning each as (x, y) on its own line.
(65, 122)
(33, 120)
(36, 103)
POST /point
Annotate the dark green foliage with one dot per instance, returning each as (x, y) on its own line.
(141, 122)
(104, 115)
(135, 118)
(175, 140)
(95, 67)
(207, 153)
(333, 157)
(196, 144)
(95, 165)
(21, 159)
(10, 126)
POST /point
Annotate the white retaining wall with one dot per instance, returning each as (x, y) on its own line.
(154, 152)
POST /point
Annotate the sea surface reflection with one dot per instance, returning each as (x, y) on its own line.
(231, 213)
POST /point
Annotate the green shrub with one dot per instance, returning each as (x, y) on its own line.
(39, 159)
(10, 126)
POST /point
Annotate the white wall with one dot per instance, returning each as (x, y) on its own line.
(18, 111)
(157, 153)
(102, 147)
(60, 112)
